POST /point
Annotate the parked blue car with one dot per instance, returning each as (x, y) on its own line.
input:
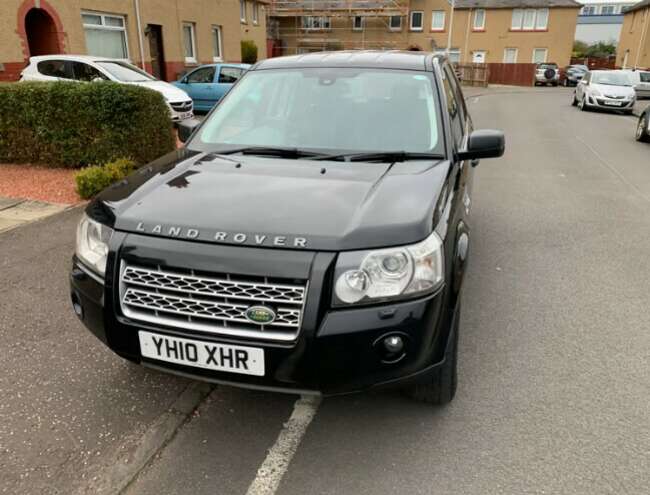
(207, 84)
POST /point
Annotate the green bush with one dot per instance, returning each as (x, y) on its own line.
(248, 52)
(73, 124)
(92, 180)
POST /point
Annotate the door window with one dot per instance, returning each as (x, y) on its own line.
(56, 68)
(85, 72)
(453, 105)
(229, 75)
(202, 75)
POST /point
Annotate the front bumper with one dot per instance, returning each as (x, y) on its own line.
(606, 103)
(180, 111)
(336, 351)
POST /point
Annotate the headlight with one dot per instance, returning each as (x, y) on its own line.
(92, 244)
(594, 92)
(367, 276)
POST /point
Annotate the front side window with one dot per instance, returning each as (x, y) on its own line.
(331, 110)
(229, 75)
(395, 23)
(105, 35)
(189, 42)
(438, 20)
(539, 55)
(479, 19)
(204, 75)
(417, 17)
(85, 72)
(124, 72)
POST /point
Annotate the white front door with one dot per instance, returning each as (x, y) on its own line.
(478, 57)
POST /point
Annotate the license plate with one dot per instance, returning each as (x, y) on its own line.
(200, 354)
(186, 115)
(613, 103)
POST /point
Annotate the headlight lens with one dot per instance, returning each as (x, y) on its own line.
(366, 276)
(595, 92)
(92, 244)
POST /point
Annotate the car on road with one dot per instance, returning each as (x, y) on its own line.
(643, 126)
(85, 68)
(207, 84)
(605, 89)
(312, 236)
(640, 81)
(547, 73)
(572, 74)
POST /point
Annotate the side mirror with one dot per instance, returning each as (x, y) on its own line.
(484, 143)
(186, 128)
(97, 79)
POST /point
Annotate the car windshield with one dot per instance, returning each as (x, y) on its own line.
(324, 109)
(125, 72)
(611, 78)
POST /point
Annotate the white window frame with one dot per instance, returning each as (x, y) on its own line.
(242, 11)
(192, 26)
(441, 16)
(103, 26)
(515, 24)
(612, 7)
(256, 14)
(533, 16)
(538, 15)
(545, 55)
(412, 15)
(479, 27)
(390, 21)
(309, 23)
(505, 55)
(354, 23)
(217, 30)
(518, 22)
(589, 10)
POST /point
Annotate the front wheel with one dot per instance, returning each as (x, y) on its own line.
(439, 388)
(583, 104)
(642, 129)
(574, 102)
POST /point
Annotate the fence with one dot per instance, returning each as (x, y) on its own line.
(512, 74)
(473, 74)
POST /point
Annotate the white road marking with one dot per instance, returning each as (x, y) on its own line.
(277, 460)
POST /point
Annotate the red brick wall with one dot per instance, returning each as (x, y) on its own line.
(12, 71)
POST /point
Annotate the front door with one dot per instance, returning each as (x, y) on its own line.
(478, 57)
(200, 85)
(156, 51)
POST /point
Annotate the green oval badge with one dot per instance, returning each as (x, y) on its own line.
(260, 315)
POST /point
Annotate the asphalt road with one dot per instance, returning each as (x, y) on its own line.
(554, 380)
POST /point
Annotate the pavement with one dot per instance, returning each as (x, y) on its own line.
(554, 354)
(15, 212)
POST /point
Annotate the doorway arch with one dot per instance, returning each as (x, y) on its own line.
(40, 28)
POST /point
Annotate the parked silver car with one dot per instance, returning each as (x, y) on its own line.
(606, 89)
(547, 73)
(640, 81)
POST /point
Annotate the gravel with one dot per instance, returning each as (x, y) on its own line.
(54, 185)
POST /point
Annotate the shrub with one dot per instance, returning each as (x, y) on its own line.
(74, 124)
(248, 52)
(92, 180)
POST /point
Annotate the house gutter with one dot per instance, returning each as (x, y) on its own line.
(451, 26)
(140, 40)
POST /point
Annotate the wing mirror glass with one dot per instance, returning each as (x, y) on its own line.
(97, 79)
(484, 143)
(186, 128)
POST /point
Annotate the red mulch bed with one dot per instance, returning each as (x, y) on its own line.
(55, 185)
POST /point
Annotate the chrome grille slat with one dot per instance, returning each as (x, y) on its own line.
(214, 304)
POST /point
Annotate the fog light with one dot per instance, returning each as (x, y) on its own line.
(76, 305)
(394, 344)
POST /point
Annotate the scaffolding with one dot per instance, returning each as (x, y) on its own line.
(318, 25)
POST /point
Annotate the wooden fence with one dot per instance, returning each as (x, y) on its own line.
(473, 74)
(512, 74)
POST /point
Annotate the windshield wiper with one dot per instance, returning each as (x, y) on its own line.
(384, 156)
(271, 151)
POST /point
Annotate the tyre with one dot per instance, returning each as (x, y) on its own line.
(554, 84)
(574, 102)
(582, 104)
(440, 387)
(642, 129)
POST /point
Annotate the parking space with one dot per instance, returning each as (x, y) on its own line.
(553, 381)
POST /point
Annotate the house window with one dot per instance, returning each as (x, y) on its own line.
(539, 55)
(479, 19)
(105, 35)
(255, 13)
(529, 19)
(417, 17)
(357, 23)
(588, 10)
(438, 20)
(608, 10)
(510, 56)
(189, 42)
(395, 23)
(314, 23)
(216, 44)
(242, 10)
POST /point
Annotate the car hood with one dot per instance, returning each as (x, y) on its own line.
(170, 92)
(607, 89)
(276, 203)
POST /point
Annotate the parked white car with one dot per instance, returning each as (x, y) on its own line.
(640, 81)
(606, 89)
(93, 69)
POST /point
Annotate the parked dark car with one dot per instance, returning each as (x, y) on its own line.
(312, 235)
(572, 74)
(547, 73)
(643, 127)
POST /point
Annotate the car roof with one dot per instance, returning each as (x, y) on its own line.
(80, 58)
(351, 58)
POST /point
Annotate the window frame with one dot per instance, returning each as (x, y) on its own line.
(193, 59)
(325, 23)
(547, 13)
(411, 16)
(229, 67)
(531, 27)
(218, 30)
(390, 23)
(198, 70)
(481, 27)
(505, 57)
(243, 14)
(518, 21)
(104, 27)
(354, 23)
(443, 15)
(256, 14)
(517, 26)
(545, 55)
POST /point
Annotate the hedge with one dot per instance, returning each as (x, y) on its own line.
(74, 124)
(248, 52)
(92, 180)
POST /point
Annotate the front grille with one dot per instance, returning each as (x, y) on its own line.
(211, 303)
(182, 106)
(614, 97)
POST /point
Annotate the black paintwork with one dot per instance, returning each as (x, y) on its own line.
(335, 206)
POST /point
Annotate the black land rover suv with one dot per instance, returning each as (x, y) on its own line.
(311, 236)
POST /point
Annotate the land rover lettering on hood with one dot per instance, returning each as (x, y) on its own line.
(310, 237)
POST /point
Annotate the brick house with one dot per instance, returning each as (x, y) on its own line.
(167, 37)
(634, 45)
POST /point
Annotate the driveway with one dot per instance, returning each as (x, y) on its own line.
(554, 354)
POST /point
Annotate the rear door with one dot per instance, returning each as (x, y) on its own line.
(200, 85)
(228, 75)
